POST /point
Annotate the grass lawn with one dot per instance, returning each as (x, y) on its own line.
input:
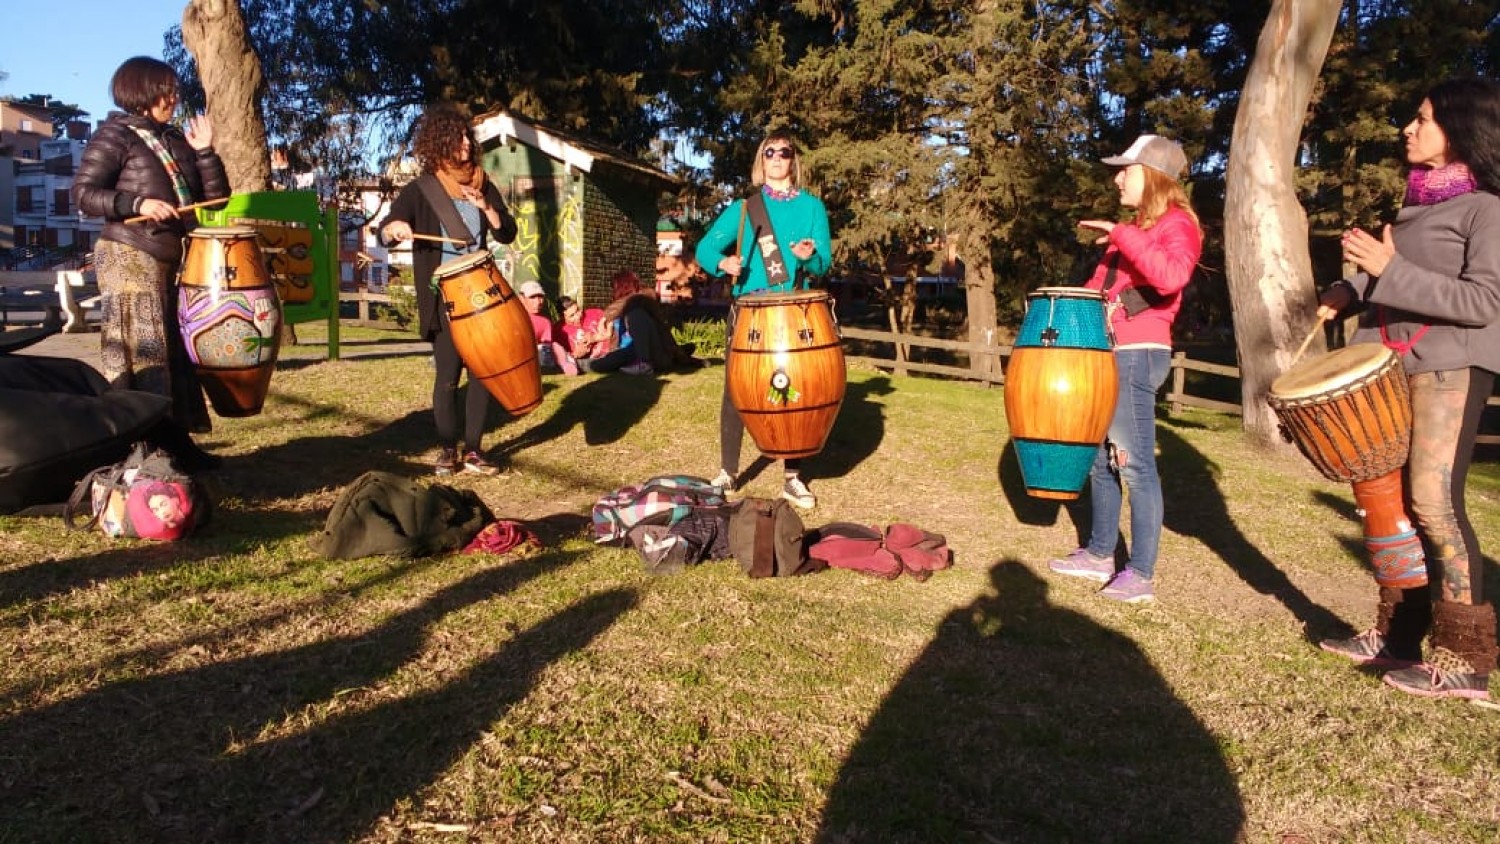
(236, 687)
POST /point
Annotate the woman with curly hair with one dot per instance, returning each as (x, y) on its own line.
(450, 173)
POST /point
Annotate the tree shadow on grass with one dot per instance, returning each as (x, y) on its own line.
(1022, 721)
(176, 757)
(1195, 507)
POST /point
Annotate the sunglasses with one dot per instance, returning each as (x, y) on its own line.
(784, 153)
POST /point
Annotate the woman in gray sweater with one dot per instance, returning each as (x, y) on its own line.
(1429, 287)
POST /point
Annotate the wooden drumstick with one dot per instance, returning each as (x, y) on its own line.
(182, 209)
(1317, 326)
(437, 238)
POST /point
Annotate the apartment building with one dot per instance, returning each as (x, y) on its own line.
(23, 128)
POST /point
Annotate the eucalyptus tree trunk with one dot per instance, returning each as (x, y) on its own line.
(214, 32)
(1265, 229)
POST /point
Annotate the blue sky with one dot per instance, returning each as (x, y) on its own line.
(70, 48)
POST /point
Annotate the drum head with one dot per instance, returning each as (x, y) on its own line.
(1064, 293)
(1339, 368)
(795, 297)
(223, 232)
(461, 263)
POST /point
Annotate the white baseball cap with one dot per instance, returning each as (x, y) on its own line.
(1155, 152)
(531, 288)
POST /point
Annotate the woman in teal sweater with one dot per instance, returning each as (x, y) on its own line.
(799, 226)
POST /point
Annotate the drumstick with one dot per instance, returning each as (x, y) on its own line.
(1317, 326)
(437, 238)
(180, 209)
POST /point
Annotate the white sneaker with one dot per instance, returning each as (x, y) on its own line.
(724, 480)
(797, 492)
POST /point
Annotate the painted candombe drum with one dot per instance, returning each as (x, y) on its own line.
(1349, 413)
(1060, 390)
(786, 371)
(230, 317)
(491, 331)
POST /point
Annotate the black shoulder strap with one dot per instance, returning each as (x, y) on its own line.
(1109, 276)
(777, 273)
(442, 205)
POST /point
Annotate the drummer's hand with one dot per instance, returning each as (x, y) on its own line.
(730, 265)
(1363, 250)
(475, 196)
(1105, 226)
(199, 132)
(396, 230)
(1334, 300)
(158, 210)
(804, 248)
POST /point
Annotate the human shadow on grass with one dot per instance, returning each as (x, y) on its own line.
(1023, 721)
(179, 756)
(606, 406)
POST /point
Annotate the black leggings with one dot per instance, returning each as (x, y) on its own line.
(445, 392)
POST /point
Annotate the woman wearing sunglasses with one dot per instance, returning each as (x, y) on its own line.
(734, 246)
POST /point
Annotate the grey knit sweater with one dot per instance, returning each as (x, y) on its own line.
(1446, 275)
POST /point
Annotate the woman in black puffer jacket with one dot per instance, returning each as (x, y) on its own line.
(139, 165)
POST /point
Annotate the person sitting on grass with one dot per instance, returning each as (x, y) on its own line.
(641, 335)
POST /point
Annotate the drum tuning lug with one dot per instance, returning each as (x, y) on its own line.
(805, 335)
(1049, 336)
(754, 335)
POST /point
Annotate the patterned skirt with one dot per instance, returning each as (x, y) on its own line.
(141, 347)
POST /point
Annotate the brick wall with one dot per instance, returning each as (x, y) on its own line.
(619, 234)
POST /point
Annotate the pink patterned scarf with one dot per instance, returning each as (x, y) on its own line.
(1431, 185)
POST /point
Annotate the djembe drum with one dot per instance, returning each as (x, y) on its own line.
(1349, 413)
(1060, 390)
(786, 371)
(491, 331)
(230, 317)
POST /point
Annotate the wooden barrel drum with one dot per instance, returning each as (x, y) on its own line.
(1349, 413)
(491, 331)
(1060, 390)
(230, 318)
(786, 371)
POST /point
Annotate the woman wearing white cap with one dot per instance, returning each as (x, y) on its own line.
(1145, 267)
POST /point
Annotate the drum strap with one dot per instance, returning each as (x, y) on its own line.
(765, 241)
(442, 205)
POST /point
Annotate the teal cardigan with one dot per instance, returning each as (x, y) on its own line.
(798, 218)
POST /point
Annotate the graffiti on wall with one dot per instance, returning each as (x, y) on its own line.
(549, 243)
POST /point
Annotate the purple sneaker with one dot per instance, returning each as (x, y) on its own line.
(1129, 587)
(1081, 563)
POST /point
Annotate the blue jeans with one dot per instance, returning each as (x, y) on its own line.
(1129, 455)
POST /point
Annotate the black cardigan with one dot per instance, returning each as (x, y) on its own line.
(411, 207)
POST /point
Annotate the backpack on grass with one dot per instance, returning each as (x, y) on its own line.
(662, 500)
(144, 496)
